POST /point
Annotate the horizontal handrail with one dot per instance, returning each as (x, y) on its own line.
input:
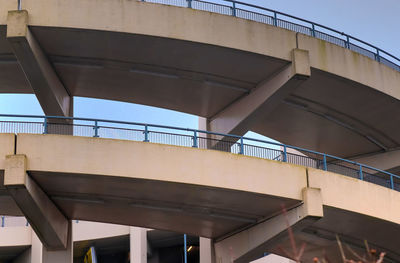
(349, 41)
(214, 140)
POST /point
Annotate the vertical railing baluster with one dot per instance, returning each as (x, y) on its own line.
(347, 41)
(189, 3)
(284, 154)
(19, 5)
(325, 164)
(96, 129)
(146, 134)
(313, 30)
(45, 126)
(361, 173)
(195, 145)
(241, 151)
(391, 182)
(2, 221)
(377, 56)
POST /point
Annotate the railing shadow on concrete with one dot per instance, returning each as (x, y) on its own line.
(197, 139)
(272, 17)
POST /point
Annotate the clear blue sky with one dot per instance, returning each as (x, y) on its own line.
(370, 20)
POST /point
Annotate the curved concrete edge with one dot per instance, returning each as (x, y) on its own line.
(82, 155)
(350, 65)
(357, 196)
(172, 22)
(136, 17)
(85, 155)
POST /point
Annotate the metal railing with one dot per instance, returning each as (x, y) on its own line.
(293, 23)
(198, 139)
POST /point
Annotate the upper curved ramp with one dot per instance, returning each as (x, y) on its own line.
(201, 63)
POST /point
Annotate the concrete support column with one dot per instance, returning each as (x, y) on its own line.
(138, 245)
(206, 250)
(48, 222)
(60, 256)
(36, 249)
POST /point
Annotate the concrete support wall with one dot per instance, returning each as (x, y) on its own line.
(138, 245)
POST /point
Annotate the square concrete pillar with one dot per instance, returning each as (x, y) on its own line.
(138, 245)
(206, 250)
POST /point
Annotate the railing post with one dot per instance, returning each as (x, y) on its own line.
(391, 182)
(146, 134)
(2, 221)
(313, 30)
(45, 126)
(233, 8)
(325, 165)
(185, 247)
(284, 154)
(96, 129)
(275, 19)
(361, 173)
(19, 5)
(347, 42)
(241, 151)
(27, 223)
(195, 139)
(377, 56)
(189, 3)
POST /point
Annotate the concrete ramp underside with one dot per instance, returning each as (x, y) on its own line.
(201, 192)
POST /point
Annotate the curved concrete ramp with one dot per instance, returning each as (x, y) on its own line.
(234, 199)
(205, 64)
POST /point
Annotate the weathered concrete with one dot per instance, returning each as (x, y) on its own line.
(117, 180)
(51, 93)
(91, 52)
(252, 243)
(49, 223)
(240, 117)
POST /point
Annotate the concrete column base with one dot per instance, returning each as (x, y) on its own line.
(60, 256)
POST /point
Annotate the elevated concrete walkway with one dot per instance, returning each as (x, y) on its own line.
(229, 198)
(204, 64)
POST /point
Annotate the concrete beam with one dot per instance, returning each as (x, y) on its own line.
(51, 93)
(49, 223)
(239, 117)
(251, 243)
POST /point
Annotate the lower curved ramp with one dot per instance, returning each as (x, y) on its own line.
(206, 193)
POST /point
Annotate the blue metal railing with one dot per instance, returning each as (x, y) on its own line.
(293, 23)
(198, 139)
